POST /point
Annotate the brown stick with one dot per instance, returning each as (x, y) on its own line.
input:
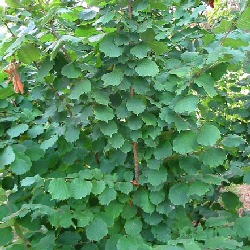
(132, 94)
(61, 98)
(55, 33)
(12, 34)
(130, 9)
(136, 162)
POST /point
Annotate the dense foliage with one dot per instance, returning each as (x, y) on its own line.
(134, 118)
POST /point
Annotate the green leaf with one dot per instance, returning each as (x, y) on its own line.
(208, 135)
(157, 177)
(101, 97)
(72, 133)
(242, 227)
(185, 142)
(59, 189)
(49, 143)
(71, 71)
(28, 181)
(109, 48)
(181, 71)
(126, 243)
(107, 196)
(87, 14)
(213, 157)
(45, 68)
(224, 26)
(141, 199)
(136, 105)
(244, 22)
(159, 47)
(29, 53)
(178, 194)
(147, 67)
(103, 113)
(7, 236)
(163, 150)
(97, 230)
(187, 104)
(69, 238)
(198, 188)
(129, 212)
(83, 218)
(140, 51)
(153, 219)
(35, 153)
(113, 78)
(231, 201)
(207, 82)
(6, 92)
(109, 128)
(135, 123)
(80, 188)
(233, 140)
(21, 164)
(133, 226)
(234, 43)
(124, 187)
(162, 233)
(149, 119)
(35, 131)
(7, 156)
(116, 141)
(17, 130)
(81, 87)
(98, 187)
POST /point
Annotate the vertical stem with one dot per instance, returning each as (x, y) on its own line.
(136, 162)
(17, 229)
(132, 94)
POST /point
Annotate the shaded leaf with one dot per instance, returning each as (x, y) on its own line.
(147, 67)
(7, 156)
(109, 48)
(185, 142)
(208, 135)
(17, 130)
(81, 87)
(97, 230)
(133, 226)
(187, 104)
(136, 105)
(113, 78)
(213, 157)
(178, 194)
(21, 164)
(59, 189)
(71, 71)
(80, 188)
(103, 113)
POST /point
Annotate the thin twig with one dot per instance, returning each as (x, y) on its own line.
(61, 98)
(130, 9)
(132, 94)
(55, 33)
(12, 34)
(16, 226)
(136, 162)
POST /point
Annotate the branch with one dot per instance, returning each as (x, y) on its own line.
(130, 9)
(55, 33)
(136, 162)
(61, 98)
(17, 228)
(12, 34)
